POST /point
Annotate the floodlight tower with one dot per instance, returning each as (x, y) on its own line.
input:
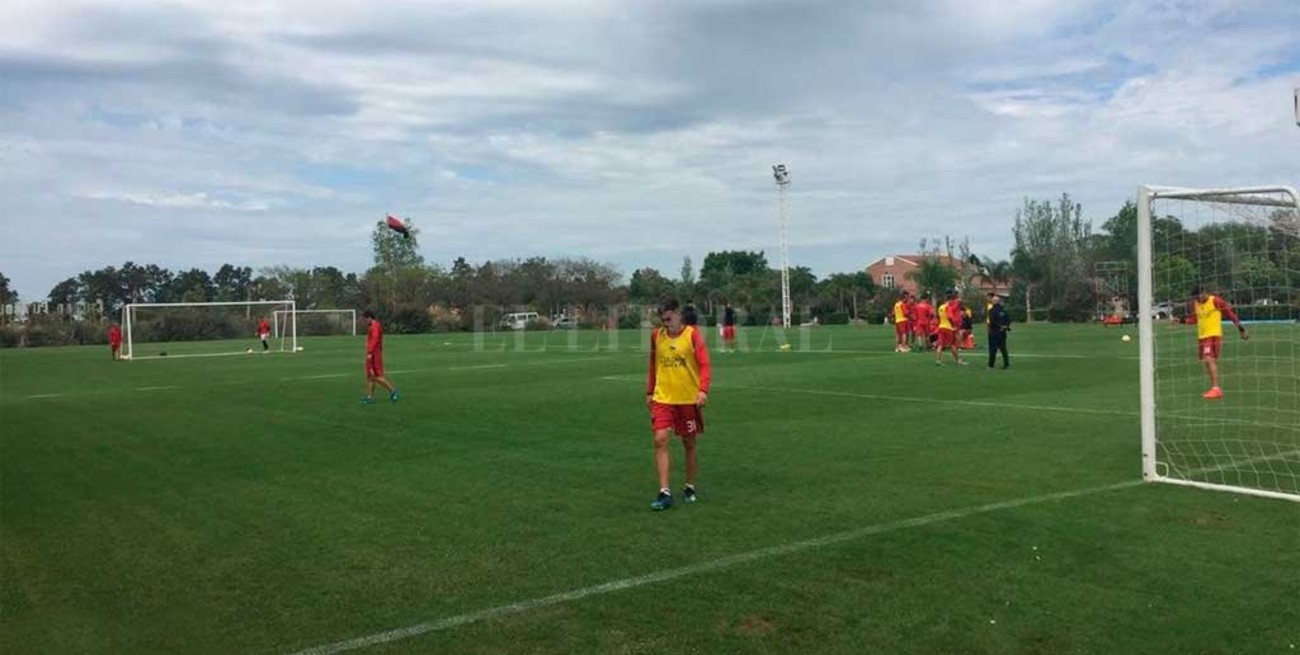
(782, 176)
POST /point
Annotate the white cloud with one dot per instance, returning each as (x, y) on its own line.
(275, 132)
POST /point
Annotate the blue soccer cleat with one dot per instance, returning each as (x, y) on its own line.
(367, 400)
(688, 494)
(392, 397)
(662, 502)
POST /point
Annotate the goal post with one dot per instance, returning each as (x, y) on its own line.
(1241, 245)
(315, 321)
(203, 329)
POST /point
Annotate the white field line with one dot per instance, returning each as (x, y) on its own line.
(729, 561)
(323, 376)
(162, 388)
(44, 395)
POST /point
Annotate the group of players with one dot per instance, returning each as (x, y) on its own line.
(918, 324)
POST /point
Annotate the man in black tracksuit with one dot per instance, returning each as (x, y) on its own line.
(999, 325)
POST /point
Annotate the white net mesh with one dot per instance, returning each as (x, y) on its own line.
(316, 322)
(1245, 249)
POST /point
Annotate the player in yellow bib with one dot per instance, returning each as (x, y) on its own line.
(677, 387)
(900, 324)
(1210, 310)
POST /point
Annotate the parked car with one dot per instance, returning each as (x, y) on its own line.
(564, 322)
(518, 320)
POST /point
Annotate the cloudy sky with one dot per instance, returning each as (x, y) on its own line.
(193, 133)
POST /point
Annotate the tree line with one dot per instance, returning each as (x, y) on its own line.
(1052, 274)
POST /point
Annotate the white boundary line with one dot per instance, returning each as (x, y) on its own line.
(418, 629)
(162, 388)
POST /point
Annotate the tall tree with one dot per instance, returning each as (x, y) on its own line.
(1051, 246)
(397, 257)
(648, 286)
(7, 295)
(233, 283)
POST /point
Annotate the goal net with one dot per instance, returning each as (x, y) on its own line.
(205, 329)
(315, 322)
(1241, 247)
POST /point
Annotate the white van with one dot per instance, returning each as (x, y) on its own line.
(518, 320)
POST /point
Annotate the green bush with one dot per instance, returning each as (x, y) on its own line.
(408, 318)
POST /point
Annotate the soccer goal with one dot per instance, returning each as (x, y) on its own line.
(316, 322)
(204, 329)
(1241, 246)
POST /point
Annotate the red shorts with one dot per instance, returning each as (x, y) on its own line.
(686, 420)
(729, 332)
(947, 338)
(375, 365)
(900, 329)
(923, 330)
(1209, 347)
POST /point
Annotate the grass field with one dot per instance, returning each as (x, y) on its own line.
(852, 500)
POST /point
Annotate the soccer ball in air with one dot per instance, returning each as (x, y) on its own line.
(249, 351)
(1126, 338)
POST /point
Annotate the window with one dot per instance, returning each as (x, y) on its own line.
(887, 280)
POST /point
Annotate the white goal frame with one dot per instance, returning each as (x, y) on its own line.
(128, 317)
(1146, 321)
(275, 317)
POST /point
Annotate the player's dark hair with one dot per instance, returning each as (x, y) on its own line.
(369, 313)
(1197, 290)
(690, 316)
(669, 305)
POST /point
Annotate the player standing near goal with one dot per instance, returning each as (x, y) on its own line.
(264, 333)
(115, 341)
(1210, 310)
(375, 359)
(728, 329)
(677, 389)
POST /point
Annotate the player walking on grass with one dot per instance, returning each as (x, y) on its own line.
(950, 316)
(677, 389)
(264, 333)
(1210, 310)
(375, 359)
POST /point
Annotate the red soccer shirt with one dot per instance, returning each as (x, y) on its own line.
(375, 339)
(263, 327)
(114, 335)
(923, 313)
(955, 314)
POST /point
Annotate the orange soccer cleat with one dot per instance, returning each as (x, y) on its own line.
(1214, 393)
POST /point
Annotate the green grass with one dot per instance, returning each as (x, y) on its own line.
(250, 504)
